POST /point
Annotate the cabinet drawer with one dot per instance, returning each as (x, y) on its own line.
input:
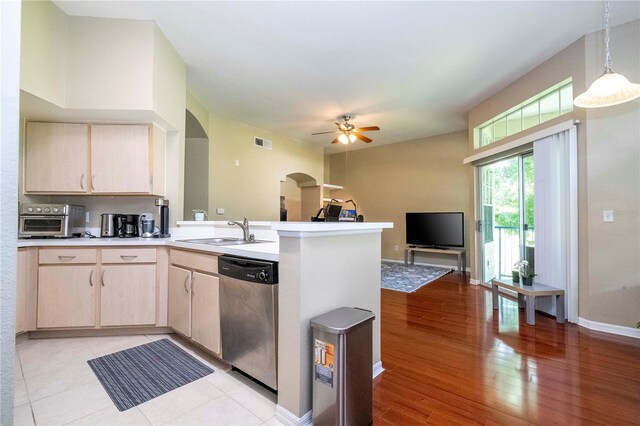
(146, 255)
(193, 260)
(64, 256)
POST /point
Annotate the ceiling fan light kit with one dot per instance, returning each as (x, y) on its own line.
(610, 88)
(349, 133)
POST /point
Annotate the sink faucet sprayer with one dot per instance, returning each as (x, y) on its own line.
(245, 229)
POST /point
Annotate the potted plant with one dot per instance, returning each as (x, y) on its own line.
(515, 273)
(526, 273)
(199, 215)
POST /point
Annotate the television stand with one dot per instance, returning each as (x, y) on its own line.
(409, 255)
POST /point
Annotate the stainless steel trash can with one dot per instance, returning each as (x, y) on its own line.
(343, 367)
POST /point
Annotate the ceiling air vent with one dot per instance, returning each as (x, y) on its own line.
(262, 143)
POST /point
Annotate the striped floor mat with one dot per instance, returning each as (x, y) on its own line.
(138, 374)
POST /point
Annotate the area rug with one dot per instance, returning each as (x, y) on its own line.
(138, 374)
(397, 276)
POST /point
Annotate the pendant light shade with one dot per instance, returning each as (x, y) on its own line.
(610, 88)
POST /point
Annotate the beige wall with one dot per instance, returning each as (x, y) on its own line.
(390, 180)
(608, 174)
(43, 51)
(199, 111)
(612, 292)
(252, 189)
(110, 64)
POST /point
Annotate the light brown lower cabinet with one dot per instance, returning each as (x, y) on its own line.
(21, 289)
(194, 298)
(94, 287)
(180, 300)
(205, 311)
(128, 295)
(66, 296)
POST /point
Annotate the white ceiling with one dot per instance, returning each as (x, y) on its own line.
(412, 68)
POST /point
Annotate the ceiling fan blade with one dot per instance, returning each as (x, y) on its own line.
(361, 137)
(367, 129)
(325, 133)
(335, 140)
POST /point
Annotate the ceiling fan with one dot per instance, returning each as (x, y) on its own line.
(349, 133)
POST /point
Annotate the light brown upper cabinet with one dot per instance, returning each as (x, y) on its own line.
(57, 158)
(94, 159)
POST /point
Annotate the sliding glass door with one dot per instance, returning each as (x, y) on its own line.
(507, 226)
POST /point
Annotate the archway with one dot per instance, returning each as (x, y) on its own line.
(299, 197)
(196, 167)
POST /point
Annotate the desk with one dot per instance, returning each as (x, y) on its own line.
(527, 296)
(409, 254)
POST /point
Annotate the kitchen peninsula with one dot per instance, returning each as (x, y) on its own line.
(322, 266)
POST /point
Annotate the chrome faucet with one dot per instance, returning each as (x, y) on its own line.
(245, 229)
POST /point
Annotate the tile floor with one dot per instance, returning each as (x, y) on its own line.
(55, 386)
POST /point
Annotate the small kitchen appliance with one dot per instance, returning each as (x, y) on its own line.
(164, 218)
(51, 220)
(147, 224)
(109, 226)
(128, 225)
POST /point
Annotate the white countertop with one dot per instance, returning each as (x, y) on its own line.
(262, 251)
(323, 229)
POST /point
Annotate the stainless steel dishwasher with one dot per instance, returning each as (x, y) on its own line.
(249, 316)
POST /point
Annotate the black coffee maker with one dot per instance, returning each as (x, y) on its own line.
(128, 225)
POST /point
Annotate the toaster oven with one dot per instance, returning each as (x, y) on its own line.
(51, 220)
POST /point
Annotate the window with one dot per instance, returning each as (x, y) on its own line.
(549, 104)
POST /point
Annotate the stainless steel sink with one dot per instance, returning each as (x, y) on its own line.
(223, 241)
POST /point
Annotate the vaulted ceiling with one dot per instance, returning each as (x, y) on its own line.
(412, 68)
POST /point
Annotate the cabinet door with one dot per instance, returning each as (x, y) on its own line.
(57, 157)
(66, 296)
(128, 295)
(180, 300)
(205, 315)
(120, 159)
(21, 288)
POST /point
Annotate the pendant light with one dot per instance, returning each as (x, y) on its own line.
(610, 88)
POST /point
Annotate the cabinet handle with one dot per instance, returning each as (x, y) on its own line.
(185, 283)
(82, 182)
(128, 257)
(93, 178)
(193, 280)
(102, 277)
(91, 278)
(66, 257)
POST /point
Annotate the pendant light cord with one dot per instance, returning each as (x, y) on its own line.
(607, 57)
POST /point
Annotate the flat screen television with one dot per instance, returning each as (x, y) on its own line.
(441, 229)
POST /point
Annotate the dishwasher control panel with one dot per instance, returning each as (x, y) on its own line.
(251, 270)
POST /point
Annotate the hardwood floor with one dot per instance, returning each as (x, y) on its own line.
(449, 358)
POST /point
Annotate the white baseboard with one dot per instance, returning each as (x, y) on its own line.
(454, 267)
(377, 369)
(286, 417)
(609, 328)
(474, 281)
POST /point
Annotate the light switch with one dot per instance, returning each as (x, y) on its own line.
(220, 210)
(237, 162)
(607, 215)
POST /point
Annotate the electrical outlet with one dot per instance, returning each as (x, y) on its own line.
(607, 215)
(87, 217)
(219, 210)
(395, 247)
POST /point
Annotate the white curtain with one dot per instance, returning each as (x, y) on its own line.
(555, 215)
